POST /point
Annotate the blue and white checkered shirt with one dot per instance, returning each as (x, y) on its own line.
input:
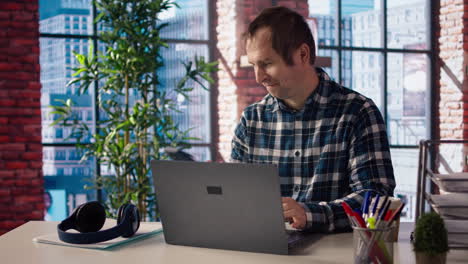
(335, 149)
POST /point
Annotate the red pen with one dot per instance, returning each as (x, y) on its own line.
(349, 212)
(388, 215)
(353, 215)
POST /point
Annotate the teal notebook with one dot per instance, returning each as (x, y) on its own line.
(146, 229)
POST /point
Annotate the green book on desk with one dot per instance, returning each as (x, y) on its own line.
(146, 229)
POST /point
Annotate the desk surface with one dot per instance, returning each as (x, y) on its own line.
(17, 246)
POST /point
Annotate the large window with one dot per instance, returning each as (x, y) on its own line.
(381, 49)
(66, 26)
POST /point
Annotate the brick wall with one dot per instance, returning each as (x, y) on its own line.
(451, 97)
(237, 86)
(21, 182)
(465, 70)
(453, 44)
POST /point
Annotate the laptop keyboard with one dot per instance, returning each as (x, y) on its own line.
(294, 236)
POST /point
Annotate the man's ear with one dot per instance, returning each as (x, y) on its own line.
(304, 53)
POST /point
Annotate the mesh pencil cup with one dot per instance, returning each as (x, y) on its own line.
(373, 245)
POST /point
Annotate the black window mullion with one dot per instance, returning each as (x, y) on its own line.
(213, 95)
(97, 167)
(374, 49)
(186, 41)
(385, 65)
(55, 35)
(433, 5)
(338, 27)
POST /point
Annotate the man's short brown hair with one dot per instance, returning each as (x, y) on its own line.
(289, 30)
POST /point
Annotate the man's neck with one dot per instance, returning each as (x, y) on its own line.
(309, 85)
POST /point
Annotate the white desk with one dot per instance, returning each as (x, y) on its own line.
(16, 247)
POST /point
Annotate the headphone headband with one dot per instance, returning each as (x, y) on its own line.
(127, 225)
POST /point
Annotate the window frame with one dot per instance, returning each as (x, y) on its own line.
(384, 51)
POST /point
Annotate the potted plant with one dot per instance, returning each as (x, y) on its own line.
(135, 121)
(430, 239)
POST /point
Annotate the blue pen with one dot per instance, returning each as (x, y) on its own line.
(376, 202)
(365, 205)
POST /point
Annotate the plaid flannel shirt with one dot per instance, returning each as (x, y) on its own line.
(335, 149)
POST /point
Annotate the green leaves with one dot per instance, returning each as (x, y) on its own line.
(199, 74)
(87, 72)
(430, 235)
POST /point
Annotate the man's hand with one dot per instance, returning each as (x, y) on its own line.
(294, 213)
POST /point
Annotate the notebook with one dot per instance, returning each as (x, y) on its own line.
(146, 229)
(230, 206)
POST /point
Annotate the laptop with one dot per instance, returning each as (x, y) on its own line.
(230, 206)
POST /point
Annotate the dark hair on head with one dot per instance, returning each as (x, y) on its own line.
(289, 30)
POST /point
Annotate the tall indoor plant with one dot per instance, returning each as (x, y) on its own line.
(129, 132)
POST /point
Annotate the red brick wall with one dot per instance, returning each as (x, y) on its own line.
(21, 181)
(237, 86)
(451, 95)
(465, 70)
(452, 45)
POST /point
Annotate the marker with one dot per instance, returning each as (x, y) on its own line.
(371, 222)
(395, 214)
(365, 205)
(382, 205)
(382, 213)
(349, 213)
(376, 202)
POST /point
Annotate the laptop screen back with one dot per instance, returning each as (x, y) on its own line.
(221, 205)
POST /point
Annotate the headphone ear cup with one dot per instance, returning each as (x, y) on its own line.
(129, 212)
(90, 217)
(120, 213)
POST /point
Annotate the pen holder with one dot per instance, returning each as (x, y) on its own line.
(395, 229)
(373, 245)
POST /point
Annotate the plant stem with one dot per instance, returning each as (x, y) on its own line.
(127, 133)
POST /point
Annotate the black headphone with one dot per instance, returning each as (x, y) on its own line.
(89, 218)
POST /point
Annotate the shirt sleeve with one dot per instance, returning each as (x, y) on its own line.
(369, 168)
(239, 143)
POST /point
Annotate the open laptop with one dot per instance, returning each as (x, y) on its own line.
(222, 205)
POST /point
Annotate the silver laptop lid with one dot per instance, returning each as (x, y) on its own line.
(221, 205)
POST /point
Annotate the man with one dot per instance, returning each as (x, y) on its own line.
(329, 142)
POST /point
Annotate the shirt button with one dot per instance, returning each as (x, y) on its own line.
(296, 188)
(297, 153)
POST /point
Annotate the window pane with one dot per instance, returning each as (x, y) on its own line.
(405, 166)
(361, 23)
(407, 98)
(365, 76)
(65, 17)
(333, 70)
(64, 178)
(190, 21)
(408, 24)
(57, 63)
(194, 113)
(325, 15)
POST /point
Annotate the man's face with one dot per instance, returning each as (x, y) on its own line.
(280, 80)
